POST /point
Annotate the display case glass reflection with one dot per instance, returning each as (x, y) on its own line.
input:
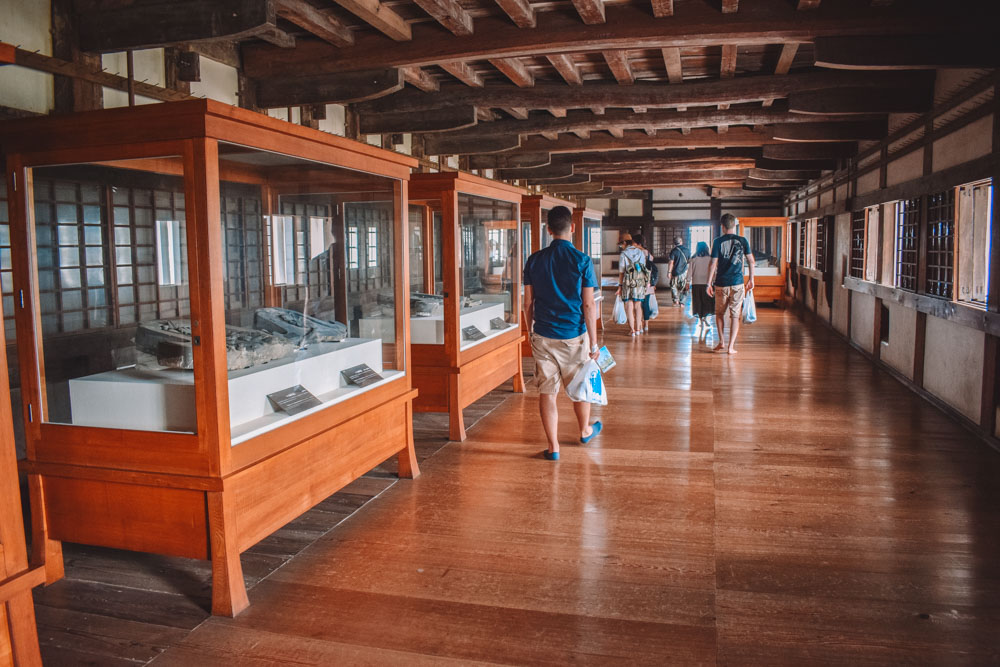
(111, 268)
(765, 244)
(310, 287)
(592, 241)
(489, 258)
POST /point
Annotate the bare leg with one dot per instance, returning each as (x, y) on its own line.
(630, 314)
(719, 321)
(549, 411)
(582, 411)
(734, 327)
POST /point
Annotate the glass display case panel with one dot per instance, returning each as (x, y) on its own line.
(427, 305)
(765, 244)
(417, 254)
(309, 275)
(489, 258)
(525, 238)
(544, 237)
(592, 241)
(113, 295)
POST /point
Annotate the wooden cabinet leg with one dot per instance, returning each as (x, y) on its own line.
(23, 635)
(519, 379)
(456, 422)
(229, 592)
(44, 550)
(408, 467)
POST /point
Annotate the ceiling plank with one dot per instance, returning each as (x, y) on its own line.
(913, 99)
(515, 70)
(464, 73)
(452, 118)
(663, 8)
(905, 52)
(693, 93)
(567, 69)
(520, 12)
(557, 32)
(672, 60)
(148, 26)
(379, 16)
(788, 51)
(450, 14)
(344, 89)
(322, 24)
(618, 62)
(420, 78)
(277, 37)
(730, 6)
(591, 11)
(822, 132)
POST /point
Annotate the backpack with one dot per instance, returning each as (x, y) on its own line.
(637, 274)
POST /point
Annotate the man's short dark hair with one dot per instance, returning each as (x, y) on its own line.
(638, 240)
(729, 221)
(678, 240)
(559, 220)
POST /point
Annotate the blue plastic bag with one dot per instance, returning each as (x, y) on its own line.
(749, 309)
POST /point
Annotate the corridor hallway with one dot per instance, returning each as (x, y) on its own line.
(790, 505)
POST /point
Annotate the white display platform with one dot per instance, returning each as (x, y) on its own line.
(493, 297)
(163, 400)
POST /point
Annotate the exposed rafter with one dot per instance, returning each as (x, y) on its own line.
(514, 70)
(618, 62)
(516, 112)
(567, 69)
(591, 11)
(379, 16)
(672, 61)
(788, 51)
(419, 78)
(322, 24)
(520, 12)
(465, 74)
(353, 87)
(730, 6)
(450, 14)
(663, 8)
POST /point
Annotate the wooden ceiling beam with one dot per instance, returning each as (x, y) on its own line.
(520, 12)
(662, 166)
(452, 118)
(694, 93)
(730, 6)
(805, 165)
(509, 160)
(783, 174)
(465, 74)
(613, 157)
(727, 69)
(583, 134)
(691, 175)
(557, 112)
(322, 24)
(753, 183)
(663, 8)
(808, 151)
(897, 52)
(616, 132)
(450, 14)
(737, 137)
(419, 78)
(772, 22)
(519, 113)
(618, 63)
(442, 144)
(276, 37)
(591, 11)
(567, 69)
(551, 136)
(785, 60)
(914, 99)
(379, 16)
(572, 179)
(716, 192)
(806, 5)
(871, 130)
(344, 89)
(554, 170)
(515, 70)
(672, 61)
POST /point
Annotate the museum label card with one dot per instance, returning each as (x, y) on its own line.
(498, 323)
(472, 333)
(294, 399)
(361, 375)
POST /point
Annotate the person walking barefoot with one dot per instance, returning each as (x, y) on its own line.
(560, 313)
(730, 253)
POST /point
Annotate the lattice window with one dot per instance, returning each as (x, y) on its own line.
(6, 268)
(314, 272)
(373, 222)
(857, 267)
(941, 244)
(975, 220)
(803, 237)
(820, 256)
(907, 230)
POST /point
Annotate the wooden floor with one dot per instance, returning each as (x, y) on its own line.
(789, 505)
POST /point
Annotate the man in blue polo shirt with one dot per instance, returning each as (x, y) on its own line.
(560, 313)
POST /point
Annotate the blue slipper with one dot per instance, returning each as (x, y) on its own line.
(597, 429)
(551, 456)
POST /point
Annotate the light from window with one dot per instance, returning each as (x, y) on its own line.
(283, 249)
(872, 239)
(372, 247)
(168, 252)
(907, 228)
(975, 219)
(352, 247)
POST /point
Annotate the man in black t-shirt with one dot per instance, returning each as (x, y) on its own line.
(725, 279)
(677, 269)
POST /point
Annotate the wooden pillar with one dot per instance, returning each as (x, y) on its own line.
(70, 93)
(919, 346)
(451, 275)
(578, 224)
(877, 331)
(428, 233)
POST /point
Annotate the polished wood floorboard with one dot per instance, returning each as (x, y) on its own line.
(791, 505)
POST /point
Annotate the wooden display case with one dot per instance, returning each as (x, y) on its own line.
(156, 250)
(587, 224)
(768, 239)
(18, 637)
(450, 371)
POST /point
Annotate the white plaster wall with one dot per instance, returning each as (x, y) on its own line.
(218, 82)
(599, 204)
(26, 23)
(334, 121)
(868, 182)
(953, 365)
(972, 141)
(693, 213)
(906, 168)
(630, 207)
(678, 194)
(862, 320)
(898, 352)
(841, 192)
(826, 198)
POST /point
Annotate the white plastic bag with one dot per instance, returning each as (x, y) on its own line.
(654, 307)
(749, 309)
(619, 312)
(587, 386)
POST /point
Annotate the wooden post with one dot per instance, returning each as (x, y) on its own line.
(452, 276)
(919, 346)
(877, 331)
